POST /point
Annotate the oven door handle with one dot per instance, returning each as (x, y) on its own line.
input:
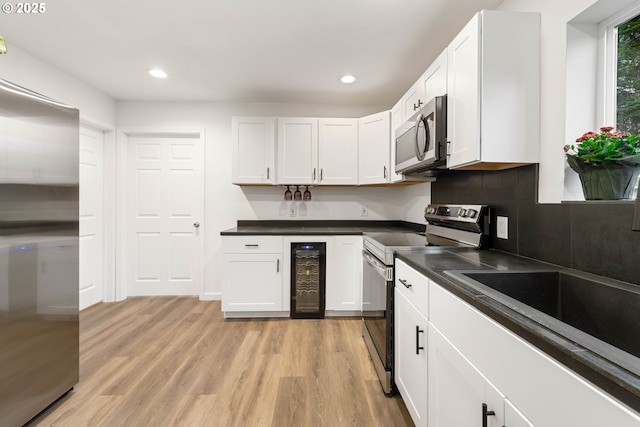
(382, 269)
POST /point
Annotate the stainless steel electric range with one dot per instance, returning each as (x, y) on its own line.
(447, 225)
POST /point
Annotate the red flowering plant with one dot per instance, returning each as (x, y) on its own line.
(606, 146)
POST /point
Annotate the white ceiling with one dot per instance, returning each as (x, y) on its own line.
(243, 50)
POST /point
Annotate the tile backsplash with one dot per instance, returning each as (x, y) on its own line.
(595, 237)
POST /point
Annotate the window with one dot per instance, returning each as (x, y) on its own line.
(621, 43)
(628, 76)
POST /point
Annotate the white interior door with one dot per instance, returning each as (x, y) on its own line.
(91, 217)
(165, 187)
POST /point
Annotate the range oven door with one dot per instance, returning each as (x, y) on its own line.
(377, 316)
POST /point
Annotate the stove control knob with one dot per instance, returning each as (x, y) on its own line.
(472, 213)
(462, 212)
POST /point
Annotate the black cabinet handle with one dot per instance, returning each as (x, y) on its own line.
(267, 173)
(405, 283)
(485, 414)
(418, 347)
(278, 266)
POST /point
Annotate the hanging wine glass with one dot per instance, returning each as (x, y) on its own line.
(287, 194)
(297, 195)
(307, 194)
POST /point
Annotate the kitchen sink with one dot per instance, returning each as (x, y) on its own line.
(607, 310)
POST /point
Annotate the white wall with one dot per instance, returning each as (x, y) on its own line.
(226, 203)
(25, 70)
(554, 17)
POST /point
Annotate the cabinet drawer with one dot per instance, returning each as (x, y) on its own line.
(413, 285)
(252, 245)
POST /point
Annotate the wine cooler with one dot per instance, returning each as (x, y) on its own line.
(308, 268)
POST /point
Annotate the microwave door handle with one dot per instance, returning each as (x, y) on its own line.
(416, 133)
(428, 137)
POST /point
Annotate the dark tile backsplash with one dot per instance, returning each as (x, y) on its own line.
(590, 236)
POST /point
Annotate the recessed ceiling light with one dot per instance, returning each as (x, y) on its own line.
(348, 79)
(158, 73)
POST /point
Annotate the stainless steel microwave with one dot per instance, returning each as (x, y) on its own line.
(421, 142)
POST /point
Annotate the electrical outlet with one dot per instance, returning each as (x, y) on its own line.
(293, 210)
(364, 211)
(502, 227)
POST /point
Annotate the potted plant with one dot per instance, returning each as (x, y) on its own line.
(608, 163)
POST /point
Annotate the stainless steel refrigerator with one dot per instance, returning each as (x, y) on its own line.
(39, 189)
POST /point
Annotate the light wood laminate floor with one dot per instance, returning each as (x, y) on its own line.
(174, 361)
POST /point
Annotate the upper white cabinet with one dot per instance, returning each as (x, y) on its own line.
(434, 80)
(396, 121)
(374, 148)
(297, 150)
(413, 99)
(493, 86)
(253, 150)
(338, 151)
(317, 151)
(432, 83)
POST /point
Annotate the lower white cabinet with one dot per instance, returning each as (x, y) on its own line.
(459, 395)
(252, 275)
(469, 352)
(410, 349)
(411, 338)
(257, 275)
(344, 290)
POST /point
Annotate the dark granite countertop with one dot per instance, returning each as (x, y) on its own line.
(587, 357)
(319, 228)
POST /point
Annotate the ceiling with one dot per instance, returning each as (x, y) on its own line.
(292, 51)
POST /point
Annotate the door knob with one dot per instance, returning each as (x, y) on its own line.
(196, 224)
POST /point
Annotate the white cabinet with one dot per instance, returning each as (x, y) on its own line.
(297, 150)
(344, 290)
(411, 337)
(338, 151)
(542, 390)
(493, 86)
(252, 275)
(317, 151)
(457, 390)
(397, 119)
(374, 148)
(434, 79)
(253, 150)
(413, 100)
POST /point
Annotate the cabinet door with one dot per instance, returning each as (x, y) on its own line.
(374, 148)
(344, 292)
(396, 121)
(413, 100)
(411, 355)
(463, 103)
(457, 391)
(297, 150)
(252, 282)
(253, 150)
(338, 151)
(434, 80)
